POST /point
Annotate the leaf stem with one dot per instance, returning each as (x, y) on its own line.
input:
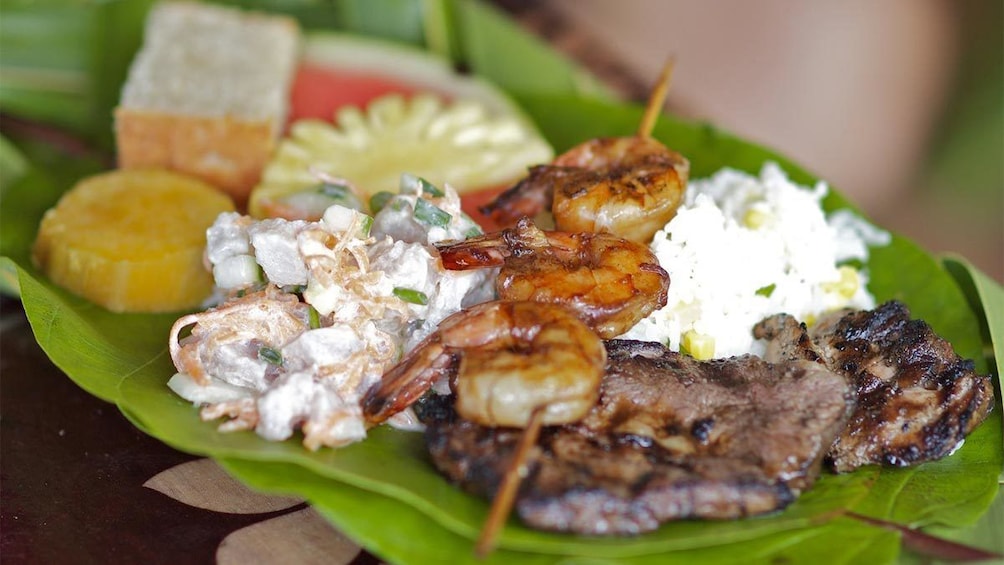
(928, 545)
(37, 131)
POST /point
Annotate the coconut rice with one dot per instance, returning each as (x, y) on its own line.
(744, 247)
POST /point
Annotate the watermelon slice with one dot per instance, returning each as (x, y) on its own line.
(338, 69)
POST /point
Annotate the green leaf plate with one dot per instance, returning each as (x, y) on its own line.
(384, 493)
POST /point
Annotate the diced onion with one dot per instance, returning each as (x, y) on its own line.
(237, 272)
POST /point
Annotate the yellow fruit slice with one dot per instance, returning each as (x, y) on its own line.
(132, 240)
(460, 144)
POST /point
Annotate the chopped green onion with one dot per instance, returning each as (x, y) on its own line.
(314, 318)
(257, 287)
(430, 189)
(475, 229)
(766, 290)
(294, 288)
(411, 184)
(431, 215)
(342, 219)
(379, 200)
(365, 226)
(270, 355)
(334, 190)
(411, 295)
(313, 200)
(341, 194)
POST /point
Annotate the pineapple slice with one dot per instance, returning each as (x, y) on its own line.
(459, 144)
(132, 240)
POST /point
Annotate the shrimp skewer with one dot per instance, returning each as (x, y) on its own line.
(506, 495)
(628, 186)
(516, 364)
(503, 360)
(610, 282)
(656, 99)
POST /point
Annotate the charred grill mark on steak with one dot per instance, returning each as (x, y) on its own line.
(600, 485)
(740, 407)
(670, 438)
(917, 399)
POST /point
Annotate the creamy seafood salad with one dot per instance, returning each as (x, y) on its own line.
(311, 314)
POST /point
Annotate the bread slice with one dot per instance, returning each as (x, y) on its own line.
(208, 93)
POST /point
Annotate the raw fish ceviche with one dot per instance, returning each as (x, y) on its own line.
(372, 287)
(382, 491)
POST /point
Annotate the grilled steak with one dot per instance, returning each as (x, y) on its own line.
(917, 399)
(670, 438)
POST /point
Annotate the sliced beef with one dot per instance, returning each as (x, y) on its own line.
(670, 438)
(916, 398)
(779, 416)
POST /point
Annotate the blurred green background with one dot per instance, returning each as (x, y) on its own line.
(899, 104)
(948, 196)
(963, 179)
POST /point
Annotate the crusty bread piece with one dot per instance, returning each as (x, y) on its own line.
(208, 93)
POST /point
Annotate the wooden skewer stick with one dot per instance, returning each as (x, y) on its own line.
(506, 495)
(656, 99)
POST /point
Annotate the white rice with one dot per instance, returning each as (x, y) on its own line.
(742, 248)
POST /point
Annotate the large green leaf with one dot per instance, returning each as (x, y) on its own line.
(986, 296)
(394, 464)
(954, 491)
(414, 540)
(96, 348)
(383, 492)
(100, 350)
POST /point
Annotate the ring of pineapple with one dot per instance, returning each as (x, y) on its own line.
(457, 143)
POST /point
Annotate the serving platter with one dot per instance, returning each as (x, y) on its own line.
(123, 359)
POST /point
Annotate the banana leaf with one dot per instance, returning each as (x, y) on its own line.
(383, 492)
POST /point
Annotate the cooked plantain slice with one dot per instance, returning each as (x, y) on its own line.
(132, 240)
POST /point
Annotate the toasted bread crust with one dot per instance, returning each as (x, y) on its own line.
(229, 153)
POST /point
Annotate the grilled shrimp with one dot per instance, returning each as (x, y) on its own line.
(627, 186)
(610, 282)
(504, 360)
